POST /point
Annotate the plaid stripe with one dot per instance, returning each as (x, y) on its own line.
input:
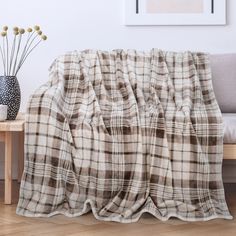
(123, 133)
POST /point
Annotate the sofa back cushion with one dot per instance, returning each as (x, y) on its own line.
(223, 68)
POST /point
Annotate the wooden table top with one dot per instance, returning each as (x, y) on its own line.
(13, 125)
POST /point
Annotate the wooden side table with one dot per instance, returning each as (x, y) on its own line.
(7, 128)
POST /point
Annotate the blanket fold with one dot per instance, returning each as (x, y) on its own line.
(122, 133)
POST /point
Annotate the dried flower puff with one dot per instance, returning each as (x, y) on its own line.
(15, 29)
(3, 34)
(29, 30)
(22, 31)
(36, 27)
(44, 37)
(5, 28)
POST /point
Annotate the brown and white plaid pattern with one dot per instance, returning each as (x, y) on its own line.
(123, 133)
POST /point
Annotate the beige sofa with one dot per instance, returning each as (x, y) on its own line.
(224, 83)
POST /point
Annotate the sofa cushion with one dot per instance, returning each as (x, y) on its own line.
(224, 80)
(229, 120)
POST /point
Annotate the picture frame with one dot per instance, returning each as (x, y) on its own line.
(171, 12)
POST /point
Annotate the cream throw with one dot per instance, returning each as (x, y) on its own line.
(123, 133)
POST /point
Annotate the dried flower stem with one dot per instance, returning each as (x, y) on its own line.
(26, 48)
(7, 54)
(17, 52)
(4, 55)
(3, 61)
(31, 42)
(12, 53)
(26, 55)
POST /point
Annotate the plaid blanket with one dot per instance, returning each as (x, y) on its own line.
(122, 133)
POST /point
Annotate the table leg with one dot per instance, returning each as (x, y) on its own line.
(21, 156)
(8, 168)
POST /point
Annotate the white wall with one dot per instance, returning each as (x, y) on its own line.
(98, 24)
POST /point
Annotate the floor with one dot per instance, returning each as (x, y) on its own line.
(87, 225)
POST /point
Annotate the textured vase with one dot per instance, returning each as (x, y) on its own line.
(10, 95)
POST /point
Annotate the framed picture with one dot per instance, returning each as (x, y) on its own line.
(175, 12)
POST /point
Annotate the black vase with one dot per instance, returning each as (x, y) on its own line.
(10, 95)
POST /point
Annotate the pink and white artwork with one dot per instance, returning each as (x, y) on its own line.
(175, 6)
(175, 12)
